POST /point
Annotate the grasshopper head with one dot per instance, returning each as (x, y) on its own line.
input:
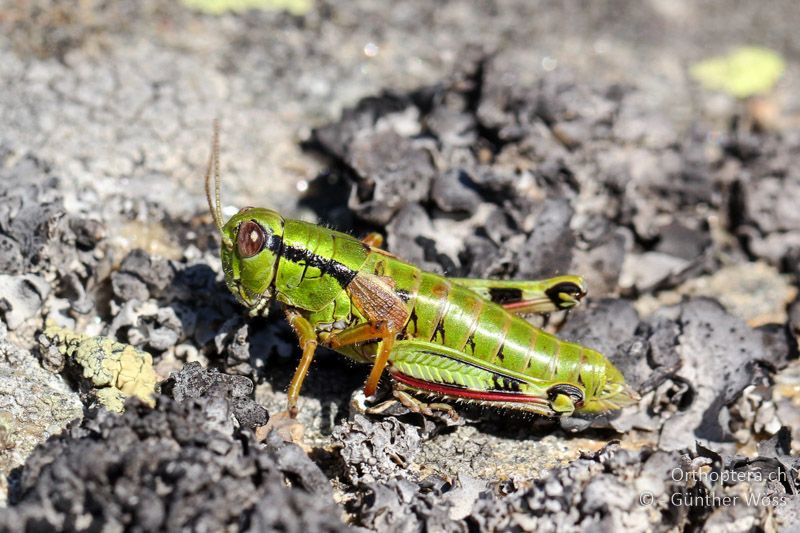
(251, 243)
(250, 261)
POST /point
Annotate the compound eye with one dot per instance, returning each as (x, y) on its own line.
(250, 239)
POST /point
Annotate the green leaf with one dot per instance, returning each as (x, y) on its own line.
(746, 71)
(217, 7)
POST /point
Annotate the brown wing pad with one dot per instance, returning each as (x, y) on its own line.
(374, 296)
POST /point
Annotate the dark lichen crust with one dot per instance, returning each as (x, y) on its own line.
(183, 465)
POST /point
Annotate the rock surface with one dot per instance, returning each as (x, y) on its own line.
(567, 140)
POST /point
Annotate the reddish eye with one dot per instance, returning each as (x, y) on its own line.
(250, 239)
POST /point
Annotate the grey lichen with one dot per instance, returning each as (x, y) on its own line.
(26, 418)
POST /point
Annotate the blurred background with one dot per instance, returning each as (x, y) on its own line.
(128, 89)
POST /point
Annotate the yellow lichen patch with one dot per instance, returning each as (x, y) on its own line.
(111, 398)
(746, 71)
(117, 370)
(216, 7)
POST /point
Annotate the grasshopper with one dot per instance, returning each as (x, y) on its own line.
(450, 339)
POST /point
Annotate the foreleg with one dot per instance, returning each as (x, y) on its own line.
(308, 342)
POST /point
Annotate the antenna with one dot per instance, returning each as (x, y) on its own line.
(215, 206)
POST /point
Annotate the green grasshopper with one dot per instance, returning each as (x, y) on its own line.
(451, 339)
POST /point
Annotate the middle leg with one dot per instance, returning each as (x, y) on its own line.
(363, 333)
